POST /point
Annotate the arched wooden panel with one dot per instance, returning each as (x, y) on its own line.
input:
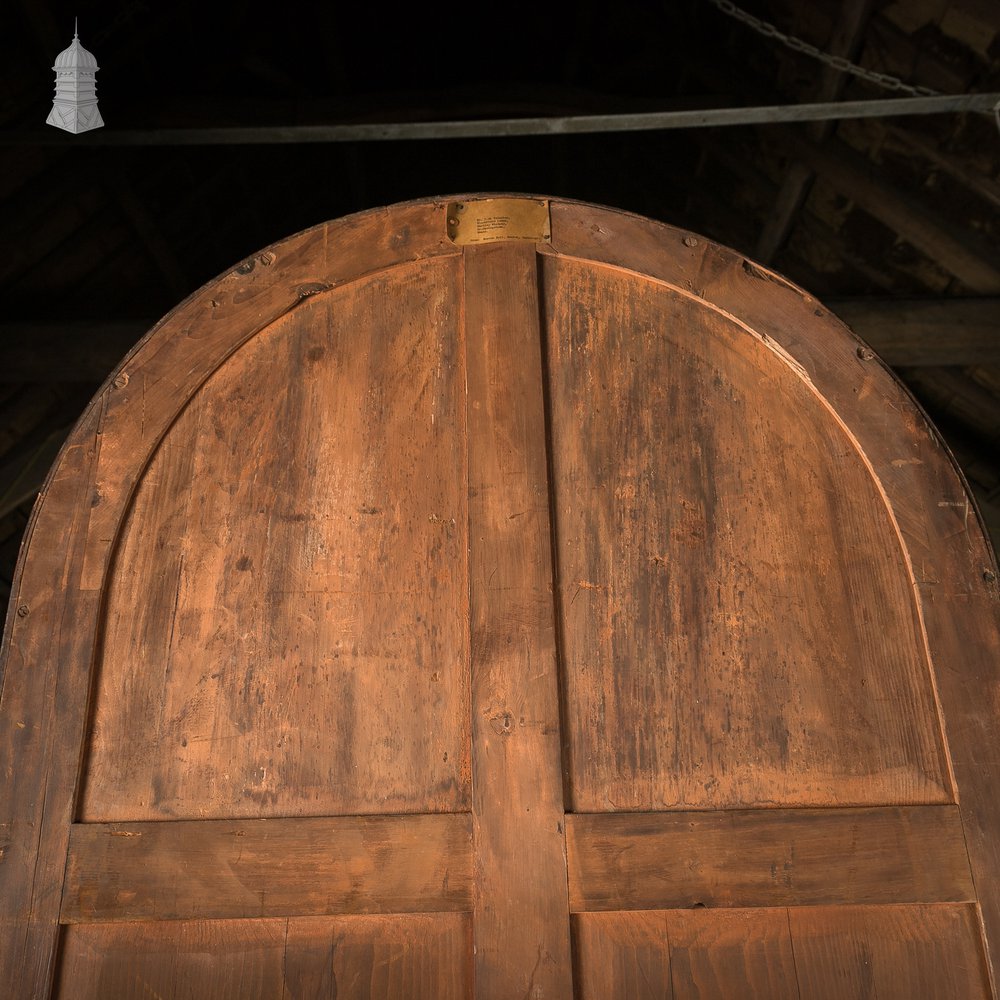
(546, 604)
(303, 650)
(740, 621)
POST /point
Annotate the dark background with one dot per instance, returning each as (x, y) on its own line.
(893, 222)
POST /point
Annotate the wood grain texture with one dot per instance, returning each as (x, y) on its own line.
(419, 956)
(823, 953)
(739, 622)
(45, 661)
(268, 868)
(46, 656)
(621, 955)
(949, 556)
(771, 857)
(676, 372)
(890, 953)
(300, 542)
(686, 955)
(521, 916)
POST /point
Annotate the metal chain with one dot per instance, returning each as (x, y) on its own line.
(836, 62)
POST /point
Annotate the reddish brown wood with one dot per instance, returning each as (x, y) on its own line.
(895, 952)
(304, 558)
(772, 857)
(303, 647)
(45, 658)
(739, 625)
(70, 541)
(421, 956)
(621, 955)
(889, 952)
(521, 915)
(688, 955)
(268, 868)
(948, 558)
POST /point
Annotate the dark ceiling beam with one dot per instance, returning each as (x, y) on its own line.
(845, 41)
(961, 398)
(963, 254)
(740, 160)
(909, 56)
(922, 332)
(982, 185)
(915, 332)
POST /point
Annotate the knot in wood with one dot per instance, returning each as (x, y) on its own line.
(502, 723)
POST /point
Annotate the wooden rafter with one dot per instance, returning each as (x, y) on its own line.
(963, 254)
(846, 41)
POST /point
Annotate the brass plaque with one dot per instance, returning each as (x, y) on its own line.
(495, 219)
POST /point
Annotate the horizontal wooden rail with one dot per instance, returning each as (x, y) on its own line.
(770, 857)
(268, 867)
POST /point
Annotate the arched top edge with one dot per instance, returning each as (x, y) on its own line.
(841, 367)
(791, 322)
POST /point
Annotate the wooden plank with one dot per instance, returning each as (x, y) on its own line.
(686, 955)
(521, 915)
(715, 657)
(308, 501)
(772, 857)
(952, 567)
(889, 952)
(740, 953)
(418, 956)
(823, 953)
(47, 654)
(951, 163)
(621, 955)
(921, 332)
(268, 867)
(44, 663)
(954, 394)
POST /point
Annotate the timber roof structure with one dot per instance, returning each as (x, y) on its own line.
(891, 222)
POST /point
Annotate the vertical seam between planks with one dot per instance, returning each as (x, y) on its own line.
(791, 946)
(559, 619)
(463, 327)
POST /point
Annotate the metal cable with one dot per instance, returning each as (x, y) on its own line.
(838, 63)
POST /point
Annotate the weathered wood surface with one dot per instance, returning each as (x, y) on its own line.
(771, 857)
(48, 653)
(302, 648)
(740, 627)
(521, 923)
(615, 524)
(824, 953)
(268, 868)
(949, 559)
(419, 956)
